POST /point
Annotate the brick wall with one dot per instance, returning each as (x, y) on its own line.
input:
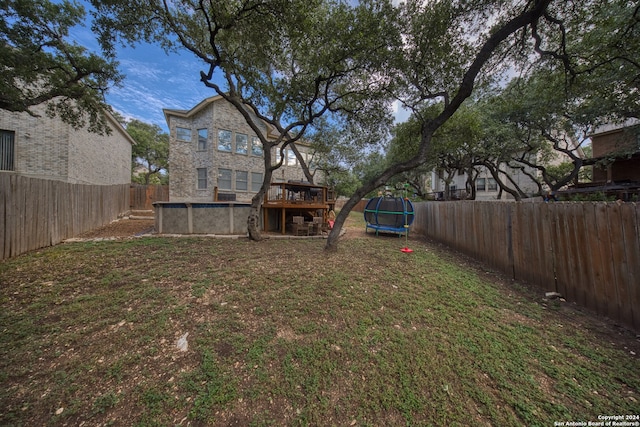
(50, 149)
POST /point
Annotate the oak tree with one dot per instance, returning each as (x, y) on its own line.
(42, 65)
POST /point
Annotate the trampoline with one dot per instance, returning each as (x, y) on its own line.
(389, 215)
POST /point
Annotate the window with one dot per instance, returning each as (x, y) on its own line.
(224, 140)
(7, 150)
(480, 184)
(202, 178)
(183, 134)
(241, 180)
(241, 143)
(256, 146)
(202, 139)
(278, 155)
(492, 185)
(256, 181)
(291, 158)
(224, 179)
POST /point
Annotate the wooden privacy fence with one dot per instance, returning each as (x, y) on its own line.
(36, 213)
(142, 197)
(587, 251)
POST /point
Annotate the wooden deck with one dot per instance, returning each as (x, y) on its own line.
(288, 199)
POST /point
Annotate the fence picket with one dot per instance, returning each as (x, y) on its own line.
(35, 213)
(589, 252)
(631, 232)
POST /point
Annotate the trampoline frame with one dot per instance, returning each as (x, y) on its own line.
(407, 214)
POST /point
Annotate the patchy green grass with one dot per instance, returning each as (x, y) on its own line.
(283, 333)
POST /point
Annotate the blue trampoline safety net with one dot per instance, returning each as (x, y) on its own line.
(389, 212)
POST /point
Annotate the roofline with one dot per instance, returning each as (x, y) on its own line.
(115, 123)
(187, 113)
(610, 128)
(203, 104)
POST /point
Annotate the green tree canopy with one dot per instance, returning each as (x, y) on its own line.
(286, 63)
(150, 154)
(41, 65)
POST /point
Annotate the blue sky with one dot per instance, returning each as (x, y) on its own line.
(155, 80)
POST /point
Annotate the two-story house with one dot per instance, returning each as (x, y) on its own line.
(47, 148)
(213, 152)
(485, 185)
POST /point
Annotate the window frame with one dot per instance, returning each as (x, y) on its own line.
(184, 131)
(256, 184)
(242, 183)
(203, 140)
(239, 144)
(224, 148)
(484, 184)
(220, 180)
(292, 160)
(202, 179)
(7, 150)
(255, 142)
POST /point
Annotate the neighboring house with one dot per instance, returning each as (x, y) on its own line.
(488, 189)
(213, 152)
(486, 186)
(47, 148)
(616, 164)
(618, 148)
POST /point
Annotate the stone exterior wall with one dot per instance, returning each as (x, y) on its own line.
(50, 149)
(187, 156)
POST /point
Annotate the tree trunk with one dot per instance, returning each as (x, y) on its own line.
(334, 235)
(253, 221)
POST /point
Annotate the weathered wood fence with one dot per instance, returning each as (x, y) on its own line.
(589, 252)
(142, 197)
(36, 213)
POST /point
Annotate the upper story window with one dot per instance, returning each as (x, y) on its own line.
(291, 158)
(224, 140)
(183, 134)
(256, 146)
(241, 143)
(7, 150)
(202, 139)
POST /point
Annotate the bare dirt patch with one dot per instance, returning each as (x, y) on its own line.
(124, 227)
